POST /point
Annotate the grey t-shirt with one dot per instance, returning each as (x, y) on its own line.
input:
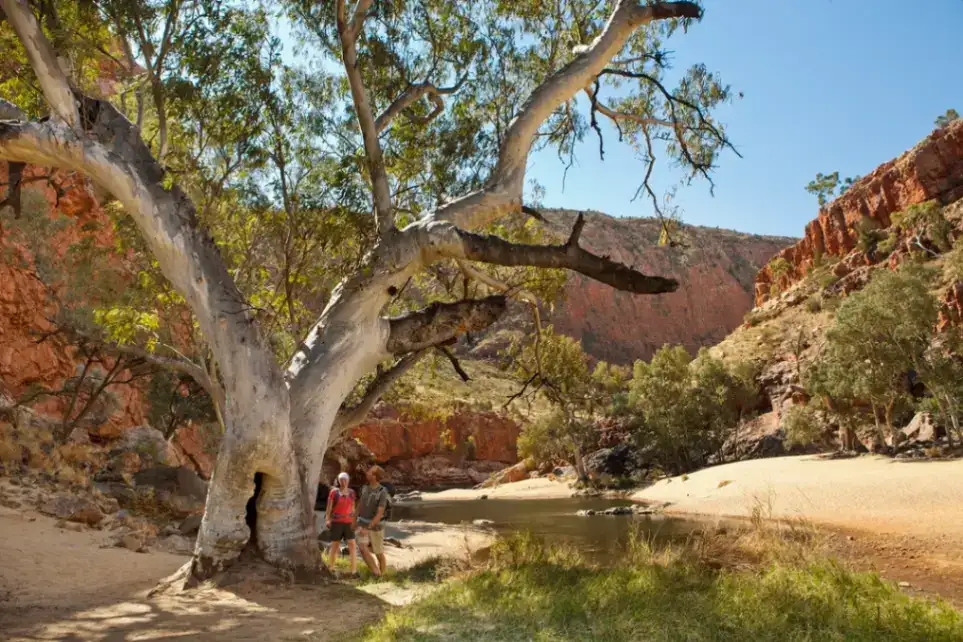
(371, 500)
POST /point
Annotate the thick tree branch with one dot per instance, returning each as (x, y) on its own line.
(53, 80)
(112, 154)
(441, 322)
(503, 193)
(380, 188)
(450, 242)
(348, 418)
(413, 94)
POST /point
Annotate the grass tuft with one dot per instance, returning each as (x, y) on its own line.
(530, 591)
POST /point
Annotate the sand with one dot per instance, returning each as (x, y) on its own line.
(58, 584)
(539, 488)
(876, 493)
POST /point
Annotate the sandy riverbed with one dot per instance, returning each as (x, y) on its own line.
(58, 584)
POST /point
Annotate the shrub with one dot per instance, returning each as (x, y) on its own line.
(814, 303)
(802, 427)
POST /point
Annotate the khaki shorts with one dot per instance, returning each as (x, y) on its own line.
(377, 539)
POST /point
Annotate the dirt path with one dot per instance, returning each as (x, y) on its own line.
(58, 584)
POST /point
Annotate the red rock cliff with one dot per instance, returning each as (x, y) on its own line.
(931, 170)
(715, 271)
(25, 305)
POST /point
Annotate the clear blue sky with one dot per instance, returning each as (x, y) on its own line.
(829, 85)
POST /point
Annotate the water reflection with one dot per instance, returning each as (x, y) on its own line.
(600, 537)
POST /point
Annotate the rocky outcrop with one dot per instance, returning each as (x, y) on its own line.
(715, 269)
(933, 170)
(25, 308)
(462, 449)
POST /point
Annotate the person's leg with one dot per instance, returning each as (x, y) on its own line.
(378, 548)
(353, 556)
(368, 557)
(333, 554)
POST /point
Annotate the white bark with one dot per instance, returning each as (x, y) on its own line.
(281, 430)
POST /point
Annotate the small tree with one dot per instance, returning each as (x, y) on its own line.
(947, 118)
(555, 366)
(687, 406)
(828, 186)
(880, 334)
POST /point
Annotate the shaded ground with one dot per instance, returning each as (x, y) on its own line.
(58, 584)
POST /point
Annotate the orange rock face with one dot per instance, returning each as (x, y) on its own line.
(931, 170)
(25, 307)
(391, 436)
(715, 273)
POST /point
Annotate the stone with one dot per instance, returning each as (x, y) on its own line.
(122, 493)
(175, 544)
(482, 522)
(621, 460)
(148, 443)
(922, 428)
(132, 542)
(618, 510)
(585, 513)
(190, 525)
(179, 480)
(74, 509)
(109, 505)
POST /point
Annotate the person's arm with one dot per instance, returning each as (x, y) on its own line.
(327, 510)
(381, 511)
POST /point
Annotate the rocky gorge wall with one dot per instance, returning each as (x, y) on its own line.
(932, 170)
(715, 269)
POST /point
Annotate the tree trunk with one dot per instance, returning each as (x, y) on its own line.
(580, 465)
(257, 445)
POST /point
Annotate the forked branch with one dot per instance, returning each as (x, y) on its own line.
(413, 94)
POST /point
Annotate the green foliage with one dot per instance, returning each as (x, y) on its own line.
(802, 426)
(686, 406)
(869, 234)
(927, 222)
(814, 304)
(880, 333)
(828, 186)
(947, 118)
(534, 591)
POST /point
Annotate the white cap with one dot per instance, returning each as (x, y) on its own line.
(344, 476)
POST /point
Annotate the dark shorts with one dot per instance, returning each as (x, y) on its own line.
(341, 531)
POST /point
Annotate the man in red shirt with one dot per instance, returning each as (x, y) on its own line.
(339, 520)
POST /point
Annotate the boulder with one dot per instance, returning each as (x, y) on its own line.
(509, 475)
(621, 460)
(180, 481)
(585, 513)
(922, 428)
(482, 522)
(73, 508)
(190, 525)
(618, 510)
(175, 544)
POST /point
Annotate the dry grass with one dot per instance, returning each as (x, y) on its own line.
(70, 464)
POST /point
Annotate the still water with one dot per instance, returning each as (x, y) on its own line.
(599, 537)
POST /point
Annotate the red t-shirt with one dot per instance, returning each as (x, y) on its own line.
(342, 506)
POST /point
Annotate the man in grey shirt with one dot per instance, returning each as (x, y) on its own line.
(371, 531)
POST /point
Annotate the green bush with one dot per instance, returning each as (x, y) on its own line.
(802, 427)
(814, 303)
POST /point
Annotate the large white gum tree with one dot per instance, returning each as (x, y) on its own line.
(460, 91)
